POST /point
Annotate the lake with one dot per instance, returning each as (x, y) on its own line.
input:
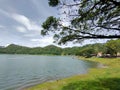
(19, 71)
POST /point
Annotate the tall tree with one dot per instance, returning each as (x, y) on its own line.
(113, 47)
(83, 19)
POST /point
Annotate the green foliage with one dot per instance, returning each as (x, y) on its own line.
(86, 18)
(51, 21)
(53, 3)
(87, 52)
(102, 84)
(15, 49)
(113, 46)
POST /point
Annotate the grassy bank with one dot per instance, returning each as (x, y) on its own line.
(106, 78)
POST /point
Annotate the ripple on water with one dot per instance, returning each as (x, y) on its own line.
(19, 71)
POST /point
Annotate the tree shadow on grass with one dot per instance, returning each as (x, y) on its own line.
(100, 84)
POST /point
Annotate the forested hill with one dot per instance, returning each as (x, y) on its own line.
(16, 49)
(112, 47)
(48, 50)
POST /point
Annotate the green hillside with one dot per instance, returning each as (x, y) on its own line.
(111, 47)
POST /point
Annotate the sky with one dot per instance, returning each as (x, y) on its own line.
(20, 23)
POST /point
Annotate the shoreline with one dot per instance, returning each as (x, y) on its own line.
(106, 76)
(29, 86)
(47, 81)
(100, 65)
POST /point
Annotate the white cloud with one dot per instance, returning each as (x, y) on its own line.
(29, 28)
(43, 41)
(21, 29)
(35, 40)
(30, 25)
(22, 19)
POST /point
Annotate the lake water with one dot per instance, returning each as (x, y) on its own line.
(19, 71)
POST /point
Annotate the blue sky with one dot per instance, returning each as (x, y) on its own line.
(20, 22)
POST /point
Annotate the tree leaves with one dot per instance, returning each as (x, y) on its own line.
(50, 24)
(53, 3)
(88, 19)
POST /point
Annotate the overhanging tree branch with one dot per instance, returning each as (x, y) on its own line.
(99, 37)
(86, 18)
(115, 2)
(118, 29)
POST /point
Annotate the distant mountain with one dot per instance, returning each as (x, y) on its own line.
(17, 49)
(49, 50)
(15, 46)
(53, 49)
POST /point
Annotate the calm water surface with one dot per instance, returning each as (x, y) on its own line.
(19, 71)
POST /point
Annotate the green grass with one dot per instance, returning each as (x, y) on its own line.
(106, 78)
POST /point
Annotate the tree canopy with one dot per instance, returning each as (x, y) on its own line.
(83, 19)
(113, 47)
